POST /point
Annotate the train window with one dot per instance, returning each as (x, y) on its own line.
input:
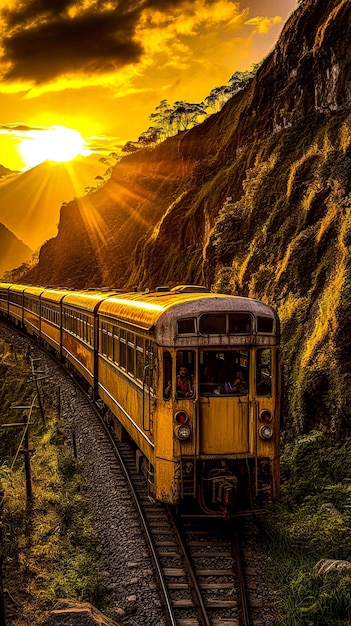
(167, 375)
(103, 339)
(123, 348)
(31, 304)
(115, 344)
(264, 372)
(264, 324)
(213, 324)
(109, 342)
(185, 380)
(239, 323)
(85, 327)
(186, 326)
(15, 298)
(224, 372)
(51, 313)
(139, 365)
(130, 354)
(149, 364)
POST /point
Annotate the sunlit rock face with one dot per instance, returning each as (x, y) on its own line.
(309, 69)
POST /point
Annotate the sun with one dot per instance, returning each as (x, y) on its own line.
(57, 143)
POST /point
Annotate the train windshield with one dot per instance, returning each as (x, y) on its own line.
(224, 372)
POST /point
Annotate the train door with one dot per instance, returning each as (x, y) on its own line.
(225, 426)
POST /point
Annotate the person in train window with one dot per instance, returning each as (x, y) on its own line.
(238, 385)
(185, 383)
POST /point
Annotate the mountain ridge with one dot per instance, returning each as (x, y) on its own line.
(13, 251)
(30, 201)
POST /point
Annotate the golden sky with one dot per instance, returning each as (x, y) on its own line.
(100, 67)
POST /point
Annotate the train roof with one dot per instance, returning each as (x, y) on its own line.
(146, 310)
(54, 295)
(34, 291)
(15, 287)
(85, 300)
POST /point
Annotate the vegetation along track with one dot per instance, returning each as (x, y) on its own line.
(198, 581)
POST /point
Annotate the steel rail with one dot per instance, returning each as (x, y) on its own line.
(190, 570)
(164, 592)
(241, 581)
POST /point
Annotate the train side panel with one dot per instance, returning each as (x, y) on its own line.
(16, 308)
(51, 318)
(31, 312)
(126, 400)
(4, 299)
(51, 334)
(79, 354)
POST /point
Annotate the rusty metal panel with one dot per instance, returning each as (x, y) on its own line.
(224, 426)
(167, 483)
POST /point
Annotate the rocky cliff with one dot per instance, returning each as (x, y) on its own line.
(254, 201)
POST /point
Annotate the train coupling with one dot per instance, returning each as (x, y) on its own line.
(224, 489)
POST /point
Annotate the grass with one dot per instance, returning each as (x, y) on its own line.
(300, 531)
(50, 544)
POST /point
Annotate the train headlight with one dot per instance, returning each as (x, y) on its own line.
(265, 416)
(181, 417)
(183, 432)
(266, 432)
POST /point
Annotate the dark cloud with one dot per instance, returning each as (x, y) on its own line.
(44, 40)
(163, 5)
(21, 15)
(42, 43)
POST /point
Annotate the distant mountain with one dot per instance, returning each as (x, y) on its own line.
(30, 201)
(4, 171)
(12, 251)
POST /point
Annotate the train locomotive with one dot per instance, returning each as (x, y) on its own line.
(192, 377)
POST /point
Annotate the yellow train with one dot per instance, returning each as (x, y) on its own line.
(192, 377)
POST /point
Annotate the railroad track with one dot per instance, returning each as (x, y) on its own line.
(197, 562)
